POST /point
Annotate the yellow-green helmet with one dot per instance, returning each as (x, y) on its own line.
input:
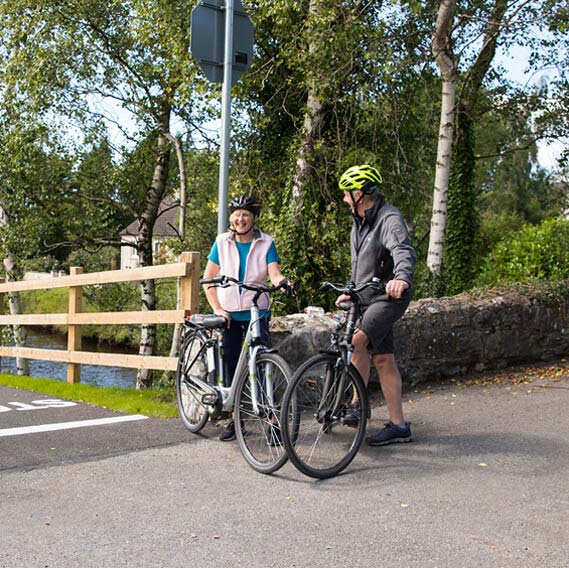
(363, 178)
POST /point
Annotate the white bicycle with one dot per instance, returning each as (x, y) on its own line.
(258, 386)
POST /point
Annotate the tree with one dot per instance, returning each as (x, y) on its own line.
(33, 172)
(336, 83)
(135, 53)
(462, 218)
(447, 63)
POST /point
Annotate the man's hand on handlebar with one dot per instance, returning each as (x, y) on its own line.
(342, 298)
(395, 288)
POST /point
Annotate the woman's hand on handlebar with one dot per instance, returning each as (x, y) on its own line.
(287, 286)
(221, 312)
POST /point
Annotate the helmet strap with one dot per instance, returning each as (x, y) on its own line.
(235, 231)
(356, 203)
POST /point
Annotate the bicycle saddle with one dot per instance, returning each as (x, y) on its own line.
(209, 321)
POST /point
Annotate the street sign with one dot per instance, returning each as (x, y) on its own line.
(207, 42)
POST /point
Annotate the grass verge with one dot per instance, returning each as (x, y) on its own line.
(156, 403)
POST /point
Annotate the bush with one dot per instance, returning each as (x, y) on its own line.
(94, 261)
(532, 252)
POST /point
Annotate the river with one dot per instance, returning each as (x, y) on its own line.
(90, 374)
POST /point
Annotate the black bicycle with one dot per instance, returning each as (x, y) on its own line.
(320, 438)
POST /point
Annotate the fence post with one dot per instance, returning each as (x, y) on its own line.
(74, 331)
(190, 292)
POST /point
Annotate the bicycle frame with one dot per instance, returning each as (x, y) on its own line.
(344, 349)
(250, 350)
(247, 357)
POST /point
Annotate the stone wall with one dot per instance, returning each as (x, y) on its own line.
(446, 337)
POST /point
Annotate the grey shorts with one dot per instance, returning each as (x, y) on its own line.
(377, 322)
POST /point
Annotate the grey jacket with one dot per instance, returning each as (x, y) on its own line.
(386, 251)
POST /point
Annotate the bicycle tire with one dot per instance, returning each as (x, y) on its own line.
(317, 442)
(193, 413)
(259, 435)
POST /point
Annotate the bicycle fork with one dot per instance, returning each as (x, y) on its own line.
(333, 390)
(256, 382)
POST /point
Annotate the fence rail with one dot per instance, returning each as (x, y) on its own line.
(187, 271)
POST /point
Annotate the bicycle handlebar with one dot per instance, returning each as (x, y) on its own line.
(225, 281)
(351, 288)
(219, 280)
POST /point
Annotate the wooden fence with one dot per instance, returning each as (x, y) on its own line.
(187, 270)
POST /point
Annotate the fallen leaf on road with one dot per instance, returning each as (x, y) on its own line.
(483, 464)
(404, 505)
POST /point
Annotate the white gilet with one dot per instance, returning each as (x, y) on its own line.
(256, 270)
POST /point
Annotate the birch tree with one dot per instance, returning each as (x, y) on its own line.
(448, 66)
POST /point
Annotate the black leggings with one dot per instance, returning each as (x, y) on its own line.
(232, 342)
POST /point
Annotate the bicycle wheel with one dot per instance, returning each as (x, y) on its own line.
(191, 362)
(317, 441)
(257, 413)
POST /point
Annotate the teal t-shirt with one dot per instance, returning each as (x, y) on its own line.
(243, 249)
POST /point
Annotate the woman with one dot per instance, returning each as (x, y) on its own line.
(247, 254)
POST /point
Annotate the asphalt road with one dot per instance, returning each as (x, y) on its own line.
(38, 430)
(484, 484)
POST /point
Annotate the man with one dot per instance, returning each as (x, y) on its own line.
(380, 247)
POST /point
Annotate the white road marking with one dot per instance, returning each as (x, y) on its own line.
(67, 425)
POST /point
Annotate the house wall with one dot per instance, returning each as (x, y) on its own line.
(129, 258)
(160, 250)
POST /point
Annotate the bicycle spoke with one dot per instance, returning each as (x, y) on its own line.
(191, 363)
(318, 441)
(259, 431)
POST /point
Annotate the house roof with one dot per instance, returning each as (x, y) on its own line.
(165, 225)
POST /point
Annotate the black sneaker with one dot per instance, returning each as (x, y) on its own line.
(353, 415)
(390, 434)
(228, 432)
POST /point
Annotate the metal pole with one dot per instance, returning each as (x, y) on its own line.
(225, 120)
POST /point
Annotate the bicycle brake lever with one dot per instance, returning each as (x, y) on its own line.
(325, 287)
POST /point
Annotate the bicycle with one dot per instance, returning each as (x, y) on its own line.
(257, 389)
(318, 439)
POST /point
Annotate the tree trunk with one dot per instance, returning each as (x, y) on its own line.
(313, 118)
(462, 219)
(13, 273)
(148, 218)
(446, 61)
(182, 197)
